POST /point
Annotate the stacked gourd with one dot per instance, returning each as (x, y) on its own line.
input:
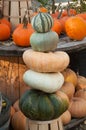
(44, 75)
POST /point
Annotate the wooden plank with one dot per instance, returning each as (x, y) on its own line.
(54, 126)
(60, 125)
(44, 127)
(32, 126)
(6, 9)
(65, 44)
(14, 9)
(22, 69)
(23, 7)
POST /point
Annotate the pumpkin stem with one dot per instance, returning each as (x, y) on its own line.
(25, 20)
(60, 13)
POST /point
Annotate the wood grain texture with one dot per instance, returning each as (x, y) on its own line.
(11, 73)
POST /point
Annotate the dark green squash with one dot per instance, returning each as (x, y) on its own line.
(38, 105)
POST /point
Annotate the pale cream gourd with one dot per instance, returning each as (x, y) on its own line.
(46, 62)
(47, 82)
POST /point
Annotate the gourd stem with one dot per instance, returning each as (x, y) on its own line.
(25, 20)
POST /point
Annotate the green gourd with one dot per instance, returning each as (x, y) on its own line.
(37, 105)
(42, 22)
(44, 42)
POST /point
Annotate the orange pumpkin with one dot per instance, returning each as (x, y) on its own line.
(4, 20)
(81, 83)
(66, 117)
(43, 9)
(72, 12)
(57, 27)
(4, 32)
(82, 15)
(21, 35)
(81, 93)
(75, 28)
(70, 76)
(77, 107)
(69, 89)
(62, 21)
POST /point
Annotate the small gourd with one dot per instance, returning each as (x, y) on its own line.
(47, 82)
(42, 22)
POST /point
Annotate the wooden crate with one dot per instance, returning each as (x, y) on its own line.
(44, 125)
(14, 10)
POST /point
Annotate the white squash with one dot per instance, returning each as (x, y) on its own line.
(47, 82)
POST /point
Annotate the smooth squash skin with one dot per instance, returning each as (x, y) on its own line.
(46, 62)
(38, 105)
(44, 42)
(47, 82)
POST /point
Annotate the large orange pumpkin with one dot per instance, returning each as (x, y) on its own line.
(75, 28)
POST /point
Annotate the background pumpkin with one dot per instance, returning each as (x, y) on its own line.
(70, 76)
(4, 20)
(47, 82)
(81, 82)
(69, 89)
(76, 107)
(4, 32)
(66, 117)
(75, 28)
(38, 105)
(44, 42)
(81, 93)
(57, 26)
(46, 62)
(21, 35)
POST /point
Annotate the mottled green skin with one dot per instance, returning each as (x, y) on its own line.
(38, 105)
(44, 42)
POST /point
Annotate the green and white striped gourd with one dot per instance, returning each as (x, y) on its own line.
(42, 22)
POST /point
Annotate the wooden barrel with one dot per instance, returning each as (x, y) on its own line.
(14, 10)
(11, 74)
